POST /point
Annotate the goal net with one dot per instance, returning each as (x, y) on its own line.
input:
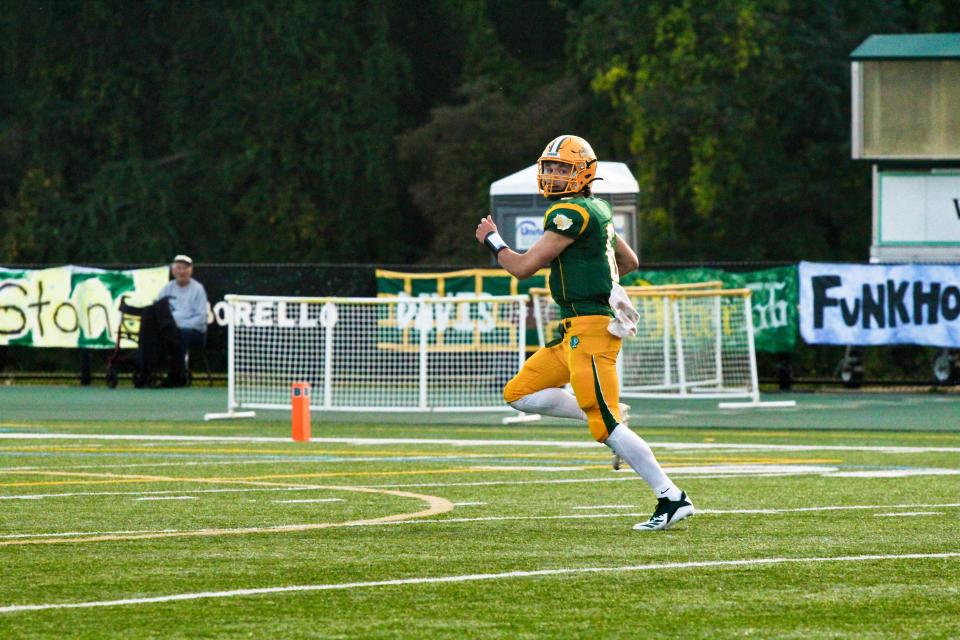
(547, 313)
(374, 354)
(692, 341)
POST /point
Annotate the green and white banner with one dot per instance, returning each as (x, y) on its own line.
(774, 300)
(775, 297)
(71, 306)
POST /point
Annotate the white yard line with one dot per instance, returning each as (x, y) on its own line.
(895, 473)
(579, 516)
(72, 534)
(203, 595)
(620, 478)
(610, 506)
(454, 442)
(711, 473)
(39, 496)
(490, 483)
(855, 507)
(304, 458)
(746, 469)
(525, 468)
(167, 498)
(185, 463)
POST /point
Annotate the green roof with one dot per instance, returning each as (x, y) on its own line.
(914, 45)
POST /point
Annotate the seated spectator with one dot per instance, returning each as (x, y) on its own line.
(188, 304)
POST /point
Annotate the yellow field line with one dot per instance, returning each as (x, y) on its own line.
(435, 506)
(109, 477)
(697, 460)
(387, 453)
(58, 483)
(287, 452)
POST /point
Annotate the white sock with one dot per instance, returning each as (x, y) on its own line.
(551, 402)
(634, 449)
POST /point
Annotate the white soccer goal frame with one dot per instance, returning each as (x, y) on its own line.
(509, 355)
(673, 358)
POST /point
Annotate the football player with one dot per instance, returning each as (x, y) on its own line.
(586, 259)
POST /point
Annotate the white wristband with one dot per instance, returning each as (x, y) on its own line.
(494, 242)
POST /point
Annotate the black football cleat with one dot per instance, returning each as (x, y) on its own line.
(668, 513)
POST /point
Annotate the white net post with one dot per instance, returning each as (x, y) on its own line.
(231, 351)
(718, 338)
(667, 360)
(522, 334)
(231, 378)
(422, 327)
(755, 395)
(754, 376)
(328, 366)
(678, 338)
(519, 416)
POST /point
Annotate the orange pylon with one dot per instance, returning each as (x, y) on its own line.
(300, 399)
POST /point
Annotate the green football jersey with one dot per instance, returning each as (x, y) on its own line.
(582, 276)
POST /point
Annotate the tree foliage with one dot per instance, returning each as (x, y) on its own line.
(737, 115)
(239, 132)
(463, 148)
(369, 130)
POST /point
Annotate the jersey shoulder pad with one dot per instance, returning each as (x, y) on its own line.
(567, 219)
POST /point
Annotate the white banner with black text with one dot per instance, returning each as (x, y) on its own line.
(859, 304)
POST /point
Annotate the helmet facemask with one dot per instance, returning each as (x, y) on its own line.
(558, 182)
(572, 153)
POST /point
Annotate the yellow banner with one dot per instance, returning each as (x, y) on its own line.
(71, 306)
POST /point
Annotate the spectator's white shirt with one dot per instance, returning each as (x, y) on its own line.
(188, 304)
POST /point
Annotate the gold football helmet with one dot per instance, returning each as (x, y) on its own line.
(581, 169)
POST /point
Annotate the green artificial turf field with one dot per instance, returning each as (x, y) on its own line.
(837, 519)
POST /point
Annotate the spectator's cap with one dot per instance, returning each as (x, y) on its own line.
(183, 258)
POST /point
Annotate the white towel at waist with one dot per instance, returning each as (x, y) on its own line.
(624, 322)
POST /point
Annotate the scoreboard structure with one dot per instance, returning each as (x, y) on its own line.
(905, 116)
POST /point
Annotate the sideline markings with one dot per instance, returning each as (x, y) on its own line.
(112, 478)
(40, 496)
(562, 444)
(585, 459)
(686, 473)
(610, 506)
(101, 536)
(179, 597)
(435, 506)
(896, 473)
(12, 536)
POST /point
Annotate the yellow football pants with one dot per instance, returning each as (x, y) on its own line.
(586, 357)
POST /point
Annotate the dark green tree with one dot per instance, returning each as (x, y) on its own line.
(737, 115)
(237, 131)
(463, 148)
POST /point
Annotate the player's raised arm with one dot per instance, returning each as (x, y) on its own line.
(521, 265)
